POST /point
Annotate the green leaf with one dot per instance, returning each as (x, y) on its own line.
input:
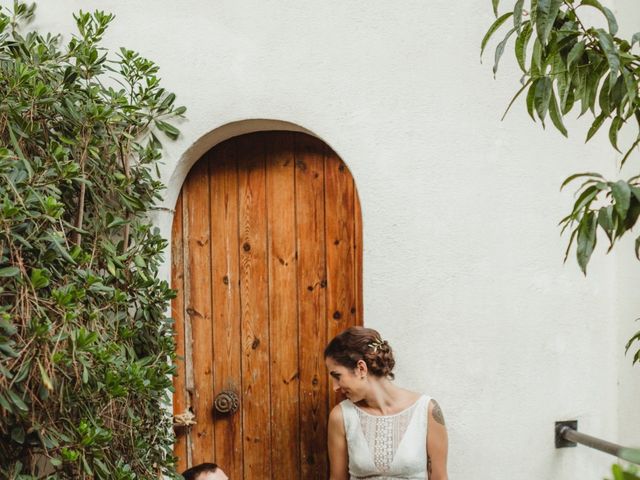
(616, 125)
(585, 199)
(18, 435)
(605, 220)
(586, 240)
(139, 261)
(45, 377)
(597, 123)
(500, 50)
(575, 54)
(621, 194)
(56, 243)
(39, 278)
(8, 351)
(111, 267)
(167, 102)
(629, 151)
(556, 116)
(546, 13)
(514, 98)
(542, 97)
(617, 95)
(531, 99)
(608, 47)
(492, 29)
(171, 131)
(533, 10)
(611, 19)
(630, 84)
(517, 14)
(635, 38)
(592, 81)
(495, 4)
(9, 271)
(604, 97)
(536, 59)
(521, 46)
(4, 403)
(17, 401)
(569, 244)
(16, 146)
(569, 102)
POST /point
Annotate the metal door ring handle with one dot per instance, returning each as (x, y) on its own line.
(226, 402)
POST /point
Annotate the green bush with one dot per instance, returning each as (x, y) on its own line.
(86, 348)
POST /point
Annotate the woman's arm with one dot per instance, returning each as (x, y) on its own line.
(437, 443)
(337, 444)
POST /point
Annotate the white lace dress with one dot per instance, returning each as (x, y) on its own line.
(388, 446)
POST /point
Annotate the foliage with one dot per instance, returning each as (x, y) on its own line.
(85, 345)
(629, 472)
(569, 66)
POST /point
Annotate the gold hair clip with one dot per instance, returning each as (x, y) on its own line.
(375, 345)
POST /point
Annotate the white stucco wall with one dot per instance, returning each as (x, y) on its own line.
(463, 259)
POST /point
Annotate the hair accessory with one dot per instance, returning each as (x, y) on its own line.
(375, 345)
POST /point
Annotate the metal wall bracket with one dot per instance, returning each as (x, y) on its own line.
(561, 442)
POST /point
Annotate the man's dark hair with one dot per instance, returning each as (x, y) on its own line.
(193, 472)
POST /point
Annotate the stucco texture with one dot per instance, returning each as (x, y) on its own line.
(463, 267)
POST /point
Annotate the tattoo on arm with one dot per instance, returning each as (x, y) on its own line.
(437, 413)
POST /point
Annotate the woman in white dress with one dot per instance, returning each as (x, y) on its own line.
(381, 431)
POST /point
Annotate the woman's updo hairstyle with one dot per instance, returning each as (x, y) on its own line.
(360, 343)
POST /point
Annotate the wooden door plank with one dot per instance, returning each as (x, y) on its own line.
(309, 175)
(339, 226)
(283, 321)
(188, 334)
(177, 312)
(196, 200)
(256, 425)
(225, 295)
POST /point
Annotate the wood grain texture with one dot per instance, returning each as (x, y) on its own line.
(339, 237)
(196, 200)
(311, 305)
(188, 333)
(283, 322)
(225, 292)
(271, 242)
(256, 414)
(177, 312)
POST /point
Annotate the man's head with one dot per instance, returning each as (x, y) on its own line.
(205, 471)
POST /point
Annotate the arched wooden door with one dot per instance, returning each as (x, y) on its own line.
(267, 262)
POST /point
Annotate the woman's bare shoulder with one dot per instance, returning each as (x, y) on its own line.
(335, 415)
(336, 421)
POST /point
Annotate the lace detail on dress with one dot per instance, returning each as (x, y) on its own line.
(384, 434)
(375, 478)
